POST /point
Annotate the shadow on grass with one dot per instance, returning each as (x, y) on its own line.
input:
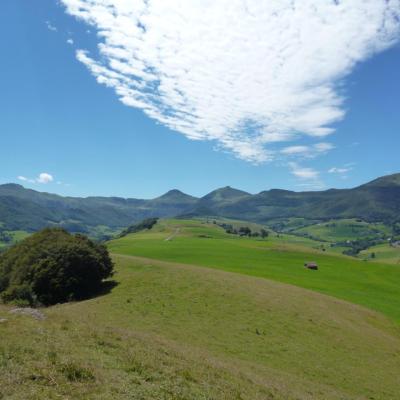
(105, 288)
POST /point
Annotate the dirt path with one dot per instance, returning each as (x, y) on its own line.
(175, 233)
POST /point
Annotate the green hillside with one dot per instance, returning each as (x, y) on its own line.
(382, 253)
(101, 217)
(344, 229)
(374, 285)
(173, 331)
(376, 201)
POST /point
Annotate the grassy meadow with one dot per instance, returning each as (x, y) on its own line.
(192, 317)
(383, 253)
(174, 331)
(343, 229)
(371, 284)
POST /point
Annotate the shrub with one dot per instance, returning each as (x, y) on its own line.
(53, 266)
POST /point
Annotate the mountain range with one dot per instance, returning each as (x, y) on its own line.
(30, 210)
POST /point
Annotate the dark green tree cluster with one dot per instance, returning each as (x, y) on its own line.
(5, 237)
(243, 231)
(264, 233)
(147, 223)
(396, 228)
(355, 246)
(53, 266)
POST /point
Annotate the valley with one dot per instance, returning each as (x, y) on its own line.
(217, 307)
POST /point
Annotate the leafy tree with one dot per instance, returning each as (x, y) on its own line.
(264, 233)
(245, 230)
(53, 266)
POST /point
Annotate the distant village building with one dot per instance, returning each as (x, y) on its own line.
(311, 265)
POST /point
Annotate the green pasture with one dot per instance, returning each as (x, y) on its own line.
(173, 332)
(344, 229)
(372, 284)
(383, 253)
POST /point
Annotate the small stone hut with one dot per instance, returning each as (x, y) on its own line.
(311, 265)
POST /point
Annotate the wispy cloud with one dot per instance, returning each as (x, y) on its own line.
(342, 172)
(303, 172)
(70, 41)
(25, 179)
(44, 178)
(246, 74)
(51, 27)
(309, 178)
(315, 185)
(336, 170)
(307, 151)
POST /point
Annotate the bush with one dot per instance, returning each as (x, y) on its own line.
(53, 266)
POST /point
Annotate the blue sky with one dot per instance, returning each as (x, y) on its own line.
(58, 120)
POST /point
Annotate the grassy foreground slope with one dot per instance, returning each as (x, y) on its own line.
(374, 285)
(171, 331)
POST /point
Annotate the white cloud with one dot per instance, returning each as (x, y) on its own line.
(317, 185)
(70, 41)
(323, 147)
(25, 179)
(51, 27)
(44, 177)
(242, 73)
(307, 151)
(336, 170)
(303, 172)
(295, 150)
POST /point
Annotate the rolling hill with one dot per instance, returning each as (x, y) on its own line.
(194, 317)
(28, 210)
(372, 284)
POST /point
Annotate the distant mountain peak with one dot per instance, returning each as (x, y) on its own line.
(12, 186)
(175, 193)
(387, 180)
(224, 194)
(227, 191)
(29, 210)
